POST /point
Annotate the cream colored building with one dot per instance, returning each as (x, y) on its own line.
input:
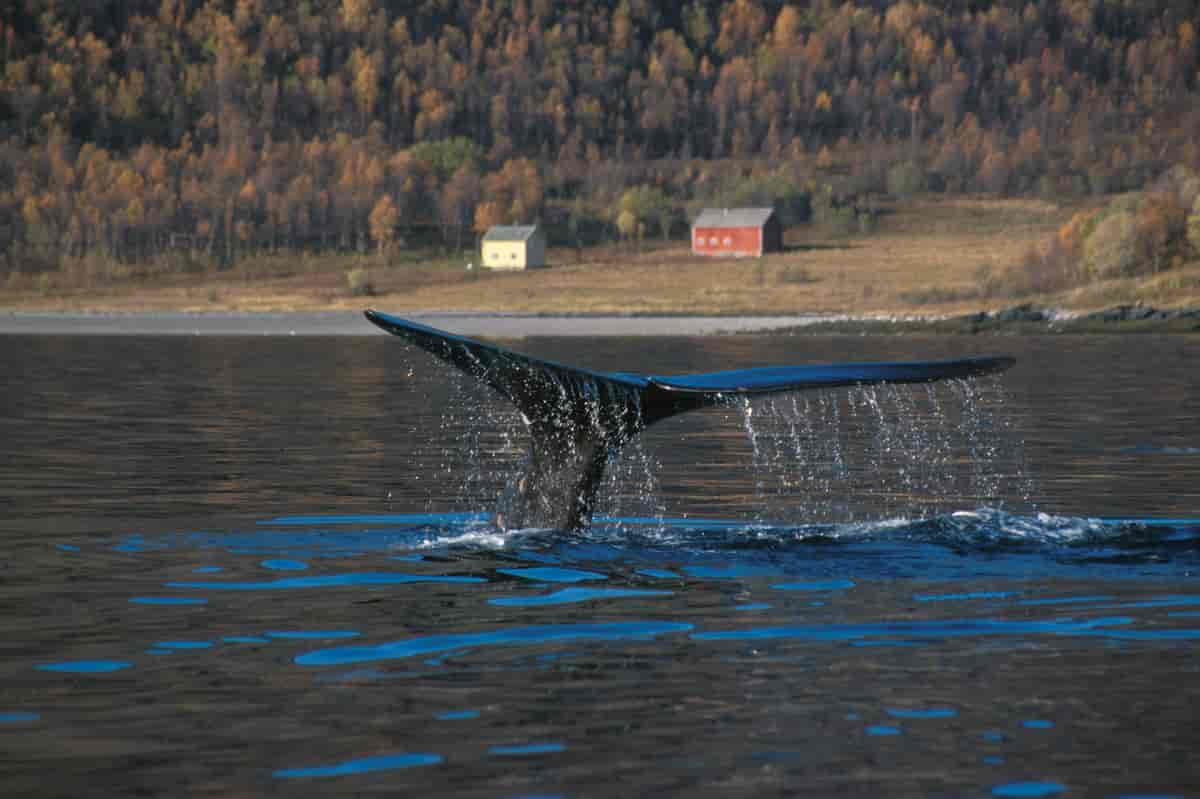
(514, 247)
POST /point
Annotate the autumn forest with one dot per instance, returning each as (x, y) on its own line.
(189, 134)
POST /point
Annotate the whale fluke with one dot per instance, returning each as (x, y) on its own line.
(579, 419)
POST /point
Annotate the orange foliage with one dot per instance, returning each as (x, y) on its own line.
(244, 123)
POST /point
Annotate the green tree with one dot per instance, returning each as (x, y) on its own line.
(905, 179)
(649, 206)
(447, 156)
(627, 224)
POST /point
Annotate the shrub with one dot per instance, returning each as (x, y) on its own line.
(1193, 227)
(1072, 235)
(1047, 266)
(1189, 191)
(1161, 229)
(649, 206)
(627, 223)
(905, 179)
(866, 222)
(1110, 250)
(359, 282)
(842, 221)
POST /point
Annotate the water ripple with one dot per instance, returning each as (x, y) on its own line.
(964, 597)
(457, 715)
(922, 713)
(86, 666)
(362, 766)
(541, 634)
(528, 749)
(284, 564)
(920, 629)
(325, 581)
(570, 595)
(1028, 790)
(167, 600)
(553, 574)
(815, 585)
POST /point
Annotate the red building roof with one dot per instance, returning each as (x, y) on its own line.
(733, 217)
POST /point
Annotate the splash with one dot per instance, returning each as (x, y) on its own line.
(836, 455)
(486, 435)
(896, 449)
(579, 420)
(893, 545)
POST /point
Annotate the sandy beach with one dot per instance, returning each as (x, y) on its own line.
(352, 323)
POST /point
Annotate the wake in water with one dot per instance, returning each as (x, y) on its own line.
(982, 531)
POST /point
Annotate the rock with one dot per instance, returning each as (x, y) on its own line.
(1139, 313)
(1020, 313)
(1122, 313)
(1118, 313)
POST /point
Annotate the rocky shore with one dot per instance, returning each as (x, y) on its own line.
(1017, 320)
(1024, 319)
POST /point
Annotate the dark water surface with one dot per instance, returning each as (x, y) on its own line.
(264, 566)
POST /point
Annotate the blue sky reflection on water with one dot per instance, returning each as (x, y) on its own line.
(86, 666)
(324, 581)
(362, 766)
(1028, 790)
(519, 750)
(570, 595)
(638, 630)
(554, 574)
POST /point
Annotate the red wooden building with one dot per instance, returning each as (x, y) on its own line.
(738, 232)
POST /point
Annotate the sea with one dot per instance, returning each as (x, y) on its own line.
(246, 565)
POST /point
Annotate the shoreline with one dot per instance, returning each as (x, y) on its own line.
(1018, 320)
(352, 323)
(1026, 319)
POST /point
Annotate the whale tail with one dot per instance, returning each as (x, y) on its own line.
(579, 419)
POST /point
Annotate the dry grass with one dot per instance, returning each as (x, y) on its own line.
(929, 256)
(1177, 288)
(926, 244)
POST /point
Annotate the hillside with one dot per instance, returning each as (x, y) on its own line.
(184, 137)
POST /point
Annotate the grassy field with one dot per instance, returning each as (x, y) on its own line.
(928, 257)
